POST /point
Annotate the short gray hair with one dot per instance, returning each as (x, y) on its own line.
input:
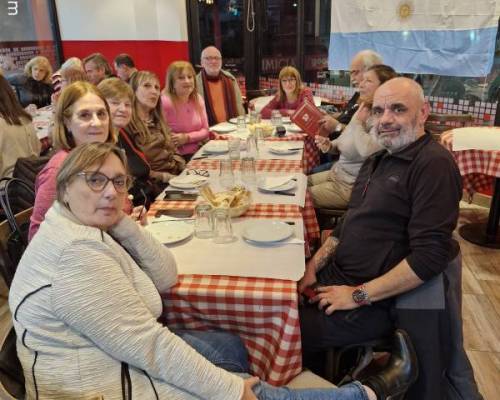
(369, 58)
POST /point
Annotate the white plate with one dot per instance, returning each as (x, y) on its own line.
(282, 188)
(261, 231)
(170, 232)
(216, 147)
(294, 128)
(182, 182)
(235, 120)
(223, 127)
(283, 149)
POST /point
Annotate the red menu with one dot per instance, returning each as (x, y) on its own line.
(307, 117)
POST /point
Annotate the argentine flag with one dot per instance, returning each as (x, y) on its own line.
(443, 37)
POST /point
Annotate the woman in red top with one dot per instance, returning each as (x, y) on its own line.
(291, 94)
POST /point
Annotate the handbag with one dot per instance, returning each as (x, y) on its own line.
(26, 169)
(17, 240)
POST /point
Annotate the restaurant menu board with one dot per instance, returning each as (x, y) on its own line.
(307, 117)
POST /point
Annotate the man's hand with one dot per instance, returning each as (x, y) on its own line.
(333, 298)
(309, 277)
(327, 125)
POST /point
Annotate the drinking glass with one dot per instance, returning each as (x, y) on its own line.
(204, 221)
(241, 123)
(248, 175)
(276, 118)
(234, 148)
(223, 230)
(259, 137)
(254, 117)
(252, 149)
(226, 175)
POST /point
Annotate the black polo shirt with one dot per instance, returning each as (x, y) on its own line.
(403, 205)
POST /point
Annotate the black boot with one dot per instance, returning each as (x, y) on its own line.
(401, 370)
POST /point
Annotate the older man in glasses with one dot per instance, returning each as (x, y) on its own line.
(219, 88)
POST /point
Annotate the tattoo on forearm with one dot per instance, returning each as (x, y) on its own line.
(325, 252)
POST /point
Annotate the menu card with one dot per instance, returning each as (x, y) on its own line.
(307, 117)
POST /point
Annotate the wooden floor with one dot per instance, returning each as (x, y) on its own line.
(481, 306)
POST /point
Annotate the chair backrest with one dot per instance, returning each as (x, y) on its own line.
(11, 246)
(11, 371)
(438, 123)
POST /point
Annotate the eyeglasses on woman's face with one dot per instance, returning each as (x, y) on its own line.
(97, 181)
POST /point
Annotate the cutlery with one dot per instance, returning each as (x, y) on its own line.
(289, 222)
(199, 157)
(283, 193)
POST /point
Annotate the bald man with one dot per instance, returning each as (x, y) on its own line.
(219, 88)
(396, 235)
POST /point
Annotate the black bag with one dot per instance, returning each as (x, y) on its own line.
(26, 169)
(17, 241)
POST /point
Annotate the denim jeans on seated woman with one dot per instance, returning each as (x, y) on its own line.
(227, 351)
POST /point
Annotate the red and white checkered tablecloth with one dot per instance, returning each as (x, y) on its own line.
(263, 312)
(310, 157)
(478, 169)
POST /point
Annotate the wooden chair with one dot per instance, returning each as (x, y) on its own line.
(436, 124)
(7, 265)
(11, 371)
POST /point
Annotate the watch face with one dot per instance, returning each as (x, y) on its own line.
(359, 296)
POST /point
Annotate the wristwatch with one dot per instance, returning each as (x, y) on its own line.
(360, 296)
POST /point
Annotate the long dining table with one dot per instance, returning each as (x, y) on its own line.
(248, 290)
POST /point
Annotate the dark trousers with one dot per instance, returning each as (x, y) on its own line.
(321, 332)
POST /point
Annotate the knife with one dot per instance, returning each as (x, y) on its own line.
(283, 193)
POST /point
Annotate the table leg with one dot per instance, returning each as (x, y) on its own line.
(486, 234)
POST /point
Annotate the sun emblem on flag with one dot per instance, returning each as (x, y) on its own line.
(405, 10)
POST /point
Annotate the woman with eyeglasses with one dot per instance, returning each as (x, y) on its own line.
(85, 303)
(81, 116)
(149, 131)
(290, 96)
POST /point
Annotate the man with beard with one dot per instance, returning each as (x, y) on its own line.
(218, 88)
(396, 235)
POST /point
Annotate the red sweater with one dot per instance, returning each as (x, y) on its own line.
(285, 107)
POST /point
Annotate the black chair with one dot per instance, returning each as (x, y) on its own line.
(328, 218)
(11, 371)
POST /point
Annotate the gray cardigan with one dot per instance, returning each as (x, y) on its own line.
(84, 311)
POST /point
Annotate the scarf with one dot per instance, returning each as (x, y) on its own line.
(229, 96)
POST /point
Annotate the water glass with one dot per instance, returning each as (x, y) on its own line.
(276, 118)
(223, 229)
(248, 174)
(252, 148)
(259, 137)
(241, 123)
(254, 117)
(234, 148)
(204, 221)
(226, 174)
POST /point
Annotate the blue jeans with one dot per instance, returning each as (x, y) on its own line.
(228, 351)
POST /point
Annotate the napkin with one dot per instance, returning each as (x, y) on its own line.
(272, 182)
(479, 138)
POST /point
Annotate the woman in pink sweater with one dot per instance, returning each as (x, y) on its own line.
(184, 108)
(291, 94)
(82, 116)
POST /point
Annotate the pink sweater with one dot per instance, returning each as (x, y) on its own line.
(186, 118)
(286, 107)
(45, 190)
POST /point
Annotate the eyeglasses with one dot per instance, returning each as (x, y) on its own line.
(289, 80)
(199, 172)
(97, 181)
(212, 58)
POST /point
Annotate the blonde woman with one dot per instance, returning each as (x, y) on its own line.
(291, 94)
(82, 116)
(148, 129)
(184, 108)
(34, 86)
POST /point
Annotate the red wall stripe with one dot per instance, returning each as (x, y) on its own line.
(151, 55)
